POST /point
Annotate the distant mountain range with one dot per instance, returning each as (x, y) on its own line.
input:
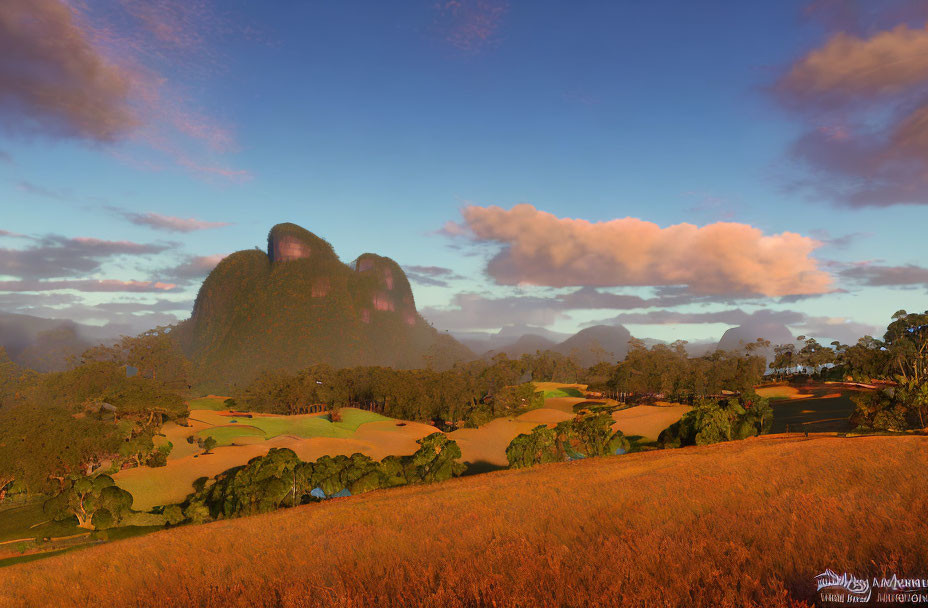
(590, 345)
(610, 343)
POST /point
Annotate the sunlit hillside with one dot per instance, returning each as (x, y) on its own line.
(747, 523)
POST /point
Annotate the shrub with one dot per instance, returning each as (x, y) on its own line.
(584, 436)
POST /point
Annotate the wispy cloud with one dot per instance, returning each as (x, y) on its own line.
(193, 268)
(170, 223)
(879, 275)
(435, 276)
(55, 256)
(90, 285)
(115, 71)
(470, 26)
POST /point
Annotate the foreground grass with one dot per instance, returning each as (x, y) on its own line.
(746, 523)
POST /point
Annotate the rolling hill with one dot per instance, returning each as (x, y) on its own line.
(746, 523)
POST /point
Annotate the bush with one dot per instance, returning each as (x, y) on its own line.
(712, 421)
(584, 436)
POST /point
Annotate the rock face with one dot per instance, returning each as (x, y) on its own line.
(298, 305)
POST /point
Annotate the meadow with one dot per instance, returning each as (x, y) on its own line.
(747, 523)
(252, 435)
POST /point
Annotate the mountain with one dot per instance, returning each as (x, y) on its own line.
(297, 305)
(591, 345)
(528, 344)
(598, 343)
(45, 345)
(736, 337)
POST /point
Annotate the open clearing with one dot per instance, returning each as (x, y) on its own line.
(746, 523)
(647, 420)
(311, 436)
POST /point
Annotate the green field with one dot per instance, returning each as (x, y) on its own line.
(208, 403)
(562, 392)
(297, 426)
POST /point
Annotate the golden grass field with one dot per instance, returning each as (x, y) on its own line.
(747, 523)
(379, 438)
(648, 420)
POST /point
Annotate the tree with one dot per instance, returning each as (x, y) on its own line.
(96, 502)
(208, 444)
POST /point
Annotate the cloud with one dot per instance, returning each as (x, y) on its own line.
(193, 268)
(877, 275)
(435, 276)
(54, 256)
(841, 242)
(474, 311)
(735, 316)
(717, 259)
(471, 311)
(169, 223)
(470, 26)
(864, 98)
(6, 158)
(53, 80)
(42, 191)
(91, 285)
(115, 71)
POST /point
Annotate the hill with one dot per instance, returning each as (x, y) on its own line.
(297, 305)
(735, 338)
(590, 345)
(44, 345)
(747, 523)
(597, 343)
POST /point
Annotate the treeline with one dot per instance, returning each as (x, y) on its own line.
(479, 391)
(901, 357)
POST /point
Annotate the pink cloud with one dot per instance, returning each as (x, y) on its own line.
(88, 285)
(849, 66)
(171, 223)
(115, 71)
(55, 79)
(721, 258)
(865, 97)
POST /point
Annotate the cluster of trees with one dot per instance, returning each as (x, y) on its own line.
(667, 370)
(584, 436)
(904, 352)
(97, 414)
(474, 392)
(715, 420)
(280, 479)
(900, 358)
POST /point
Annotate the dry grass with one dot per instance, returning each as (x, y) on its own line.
(648, 420)
(746, 523)
(781, 391)
(545, 415)
(172, 483)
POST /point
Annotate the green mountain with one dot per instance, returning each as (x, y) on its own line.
(298, 305)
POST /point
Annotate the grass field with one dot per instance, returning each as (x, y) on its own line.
(747, 523)
(310, 436)
(270, 426)
(647, 420)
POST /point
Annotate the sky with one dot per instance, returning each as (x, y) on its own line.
(675, 167)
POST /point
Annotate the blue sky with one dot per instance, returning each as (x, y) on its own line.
(375, 124)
